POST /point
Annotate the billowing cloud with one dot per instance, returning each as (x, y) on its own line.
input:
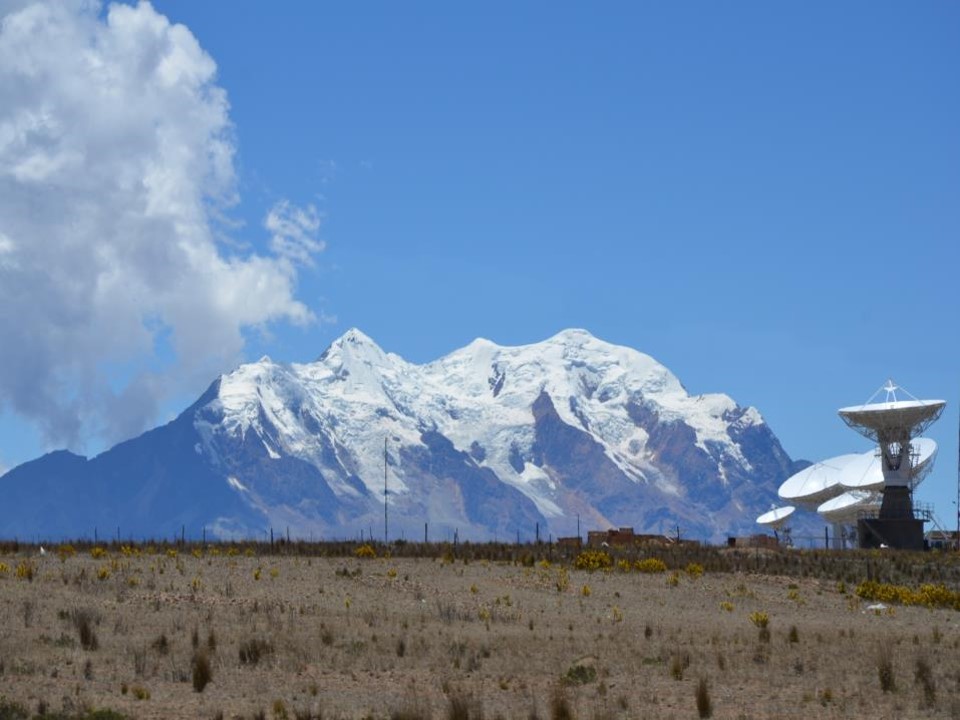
(116, 156)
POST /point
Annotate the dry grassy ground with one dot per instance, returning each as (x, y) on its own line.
(300, 636)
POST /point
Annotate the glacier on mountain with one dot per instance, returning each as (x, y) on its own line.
(481, 399)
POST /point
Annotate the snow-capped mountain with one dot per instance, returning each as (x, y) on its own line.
(488, 441)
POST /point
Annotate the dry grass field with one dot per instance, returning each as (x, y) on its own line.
(493, 632)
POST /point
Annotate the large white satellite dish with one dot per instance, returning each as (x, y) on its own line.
(847, 508)
(926, 450)
(866, 472)
(875, 420)
(874, 489)
(893, 424)
(777, 517)
(817, 483)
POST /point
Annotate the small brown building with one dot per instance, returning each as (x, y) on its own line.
(942, 540)
(613, 537)
(570, 543)
(754, 541)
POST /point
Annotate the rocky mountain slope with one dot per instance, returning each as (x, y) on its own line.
(488, 442)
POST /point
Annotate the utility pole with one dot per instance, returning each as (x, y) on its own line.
(385, 526)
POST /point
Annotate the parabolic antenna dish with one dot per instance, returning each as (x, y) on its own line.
(865, 473)
(926, 450)
(777, 517)
(847, 508)
(886, 421)
(817, 483)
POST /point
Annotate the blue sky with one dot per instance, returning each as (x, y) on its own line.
(764, 197)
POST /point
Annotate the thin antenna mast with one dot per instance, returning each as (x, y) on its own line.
(385, 534)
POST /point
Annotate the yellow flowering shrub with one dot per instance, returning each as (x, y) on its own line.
(593, 560)
(365, 551)
(650, 565)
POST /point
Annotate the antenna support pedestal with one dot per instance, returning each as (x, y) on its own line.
(897, 503)
(900, 533)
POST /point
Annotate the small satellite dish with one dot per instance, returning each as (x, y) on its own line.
(777, 517)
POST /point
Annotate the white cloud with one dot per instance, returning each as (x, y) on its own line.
(6, 252)
(294, 231)
(116, 157)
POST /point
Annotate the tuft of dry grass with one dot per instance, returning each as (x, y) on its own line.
(202, 673)
(463, 707)
(560, 708)
(84, 621)
(679, 662)
(885, 670)
(252, 651)
(704, 704)
(923, 677)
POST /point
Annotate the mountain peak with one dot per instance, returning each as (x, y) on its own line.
(571, 335)
(354, 344)
(355, 336)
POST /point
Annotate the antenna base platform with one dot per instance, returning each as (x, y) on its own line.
(900, 533)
